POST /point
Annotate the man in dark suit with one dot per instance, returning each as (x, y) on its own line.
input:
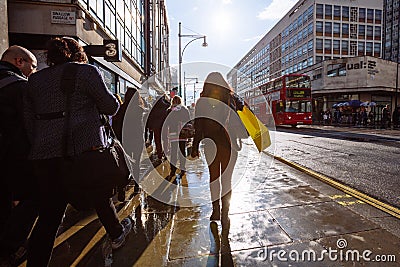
(17, 185)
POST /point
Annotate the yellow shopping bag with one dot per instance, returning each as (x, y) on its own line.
(257, 130)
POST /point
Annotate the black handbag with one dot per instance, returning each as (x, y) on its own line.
(92, 175)
(187, 131)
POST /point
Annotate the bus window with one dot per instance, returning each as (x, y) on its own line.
(297, 82)
(278, 84)
(279, 107)
(298, 106)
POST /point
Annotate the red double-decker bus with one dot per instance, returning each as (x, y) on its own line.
(288, 98)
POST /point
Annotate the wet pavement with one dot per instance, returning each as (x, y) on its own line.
(278, 217)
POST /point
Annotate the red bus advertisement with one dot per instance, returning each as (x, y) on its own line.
(287, 97)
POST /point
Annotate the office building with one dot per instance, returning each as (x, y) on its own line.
(313, 31)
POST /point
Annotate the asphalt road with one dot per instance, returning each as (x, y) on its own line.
(368, 163)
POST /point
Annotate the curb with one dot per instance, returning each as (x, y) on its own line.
(353, 192)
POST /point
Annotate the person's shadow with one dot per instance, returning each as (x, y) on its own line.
(220, 248)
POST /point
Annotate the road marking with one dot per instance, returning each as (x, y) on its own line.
(340, 196)
(346, 189)
(349, 203)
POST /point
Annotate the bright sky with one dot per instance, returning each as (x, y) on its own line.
(232, 27)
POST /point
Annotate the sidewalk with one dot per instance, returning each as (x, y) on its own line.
(394, 133)
(277, 215)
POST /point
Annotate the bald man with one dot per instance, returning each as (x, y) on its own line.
(17, 182)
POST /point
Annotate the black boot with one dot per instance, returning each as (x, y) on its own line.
(216, 213)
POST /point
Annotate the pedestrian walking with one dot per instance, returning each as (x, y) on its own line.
(396, 116)
(177, 117)
(385, 119)
(132, 138)
(58, 139)
(211, 125)
(155, 122)
(17, 182)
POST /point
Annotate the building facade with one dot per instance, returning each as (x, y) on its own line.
(140, 26)
(364, 78)
(391, 29)
(313, 31)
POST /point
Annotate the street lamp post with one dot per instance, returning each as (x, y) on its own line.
(194, 37)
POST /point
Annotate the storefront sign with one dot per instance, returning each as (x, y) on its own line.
(370, 65)
(111, 50)
(63, 17)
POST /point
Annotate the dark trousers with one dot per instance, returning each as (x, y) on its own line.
(175, 154)
(17, 184)
(158, 141)
(51, 210)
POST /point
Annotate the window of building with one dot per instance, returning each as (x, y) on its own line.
(370, 15)
(319, 28)
(336, 29)
(328, 11)
(345, 47)
(310, 46)
(327, 58)
(377, 33)
(310, 12)
(328, 28)
(378, 16)
(300, 36)
(109, 18)
(304, 64)
(334, 70)
(300, 20)
(369, 49)
(361, 14)
(304, 49)
(319, 11)
(305, 33)
(319, 45)
(336, 12)
(336, 47)
(299, 51)
(310, 29)
(361, 48)
(377, 49)
(361, 31)
(370, 32)
(327, 46)
(345, 13)
(318, 59)
(310, 61)
(345, 30)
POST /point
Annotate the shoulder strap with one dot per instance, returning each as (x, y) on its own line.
(11, 79)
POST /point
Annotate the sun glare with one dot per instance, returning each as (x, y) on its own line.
(222, 22)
